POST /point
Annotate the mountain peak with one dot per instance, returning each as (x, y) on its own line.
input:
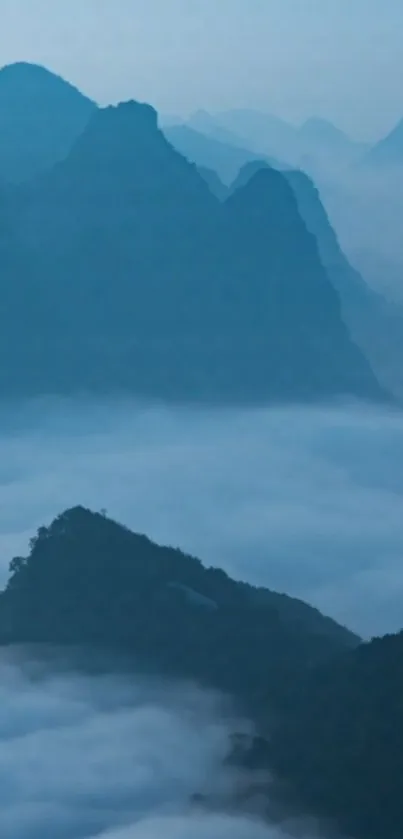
(22, 77)
(248, 171)
(130, 114)
(41, 116)
(322, 128)
(122, 138)
(264, 189)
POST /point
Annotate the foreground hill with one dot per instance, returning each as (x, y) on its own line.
(41, 116)
(90, 580)
(342, 750)
(333, 706)
(143, 280)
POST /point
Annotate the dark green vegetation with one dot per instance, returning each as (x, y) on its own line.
(122, 271)
(333, 705)
(342, 750)
(90, 580)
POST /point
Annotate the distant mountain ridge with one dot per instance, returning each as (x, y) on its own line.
(315, 140)
(213, 153)
(342, 749)
(388, 152)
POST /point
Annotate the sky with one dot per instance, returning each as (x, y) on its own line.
(340, 59)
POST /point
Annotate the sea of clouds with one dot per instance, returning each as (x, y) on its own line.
(89, 756)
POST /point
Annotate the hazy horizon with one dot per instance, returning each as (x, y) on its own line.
(335, 60)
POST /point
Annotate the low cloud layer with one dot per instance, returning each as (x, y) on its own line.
(100, 756)
(306, 501)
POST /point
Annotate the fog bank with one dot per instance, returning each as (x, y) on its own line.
(106, 756)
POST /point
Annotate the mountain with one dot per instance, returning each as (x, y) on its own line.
(211, 153)
(323, 132)
(144, 281)
(203, 122)
(41, 116)
(332, 705)
(315, 143)
(374, 323)
(262, 132)
(215, 185)
(89, 580)
(319, 137)
(342, 749)
(388, 151)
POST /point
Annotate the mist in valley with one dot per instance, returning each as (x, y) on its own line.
(85, 756)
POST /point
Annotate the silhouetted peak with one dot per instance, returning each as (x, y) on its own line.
(268, 193)
(24, 70)
(77, 521)
(130, 114)
(121, 134)
(33, 79)
(247, 172)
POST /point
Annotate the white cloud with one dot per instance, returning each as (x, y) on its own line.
(87, 756)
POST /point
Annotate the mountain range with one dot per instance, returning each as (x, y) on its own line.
(122, 271)
(331, 703)
(310, 144)
(374, 323)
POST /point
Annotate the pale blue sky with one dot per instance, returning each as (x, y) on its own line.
(342, 59)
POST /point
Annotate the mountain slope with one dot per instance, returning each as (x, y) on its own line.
(210, 152)
(41, 116)
(215, 185)
(89, 580)
(375, 324)
(320, 138)
(299, 297)
(262, 132)
(343, 747)
(389, 150)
